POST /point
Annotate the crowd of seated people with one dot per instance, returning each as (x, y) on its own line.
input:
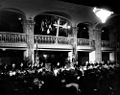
(35, 79)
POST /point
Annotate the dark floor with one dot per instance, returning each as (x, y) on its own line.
(93, 82)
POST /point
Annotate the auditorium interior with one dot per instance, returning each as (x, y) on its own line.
(57, 48)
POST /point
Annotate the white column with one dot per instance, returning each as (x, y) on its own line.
(29, 30)
(74, 46)
(95, 38)
(98, 52)
(91, 37)
(112, 56)
(70, 56)
(26, 53)
(58, 26)
(92, 57)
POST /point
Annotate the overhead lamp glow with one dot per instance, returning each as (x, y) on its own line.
(66, 26)
(102, 14)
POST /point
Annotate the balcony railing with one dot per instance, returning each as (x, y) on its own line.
(64, 40)
(105, 43)
(8, 37)
(118, 45)
(82, 41)
(44, 39)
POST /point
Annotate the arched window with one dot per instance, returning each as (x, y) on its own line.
(105, 34)
(83, 31)
(11, 21)
(52, 25)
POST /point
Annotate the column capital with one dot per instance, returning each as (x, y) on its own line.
(97, 26)
(28, 25)
(74, 29)
(29, 21)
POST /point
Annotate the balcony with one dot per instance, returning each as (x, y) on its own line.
(53, 42)
(84, 44)
(44, 39)
(8, 39)
(82, 41)
(106, 45)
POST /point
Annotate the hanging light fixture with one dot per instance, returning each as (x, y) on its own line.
(102, 14)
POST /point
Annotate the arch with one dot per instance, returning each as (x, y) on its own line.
(89, 24)
(105, 33)
(11, 20)
(83, 30)
(47, 21)
(14, 10)
(113, 24)
(56, 13)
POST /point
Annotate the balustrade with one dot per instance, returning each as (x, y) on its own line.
(52, 39)
(82, 41)
(8, 37)
(115, 45)
(105, 44)
(64, 40)
(118, 45)
(44, 39)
